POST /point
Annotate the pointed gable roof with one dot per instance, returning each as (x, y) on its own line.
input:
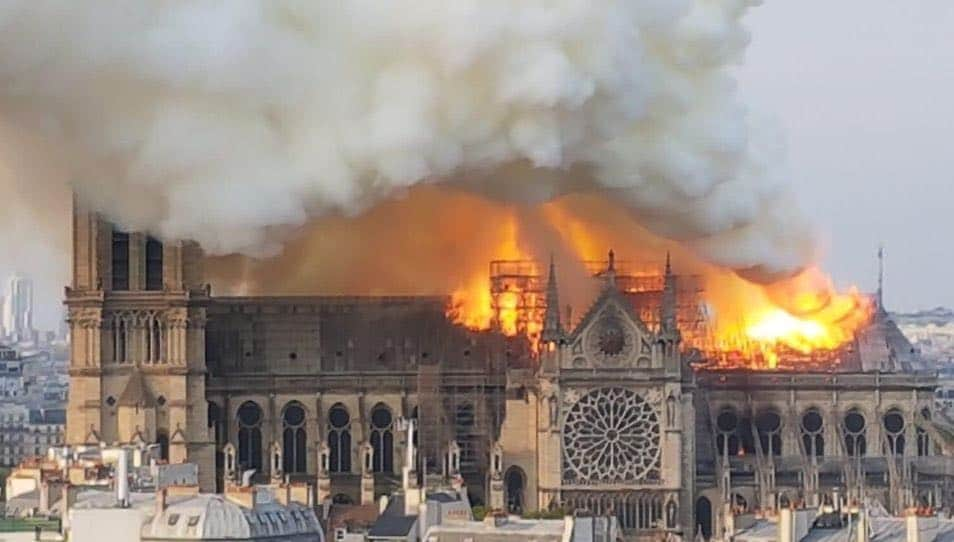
(609, 294)
(178, 436)
(136, 393)
(92, 437)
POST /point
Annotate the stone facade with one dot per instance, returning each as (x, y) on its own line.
(137, 365)
(607, 416)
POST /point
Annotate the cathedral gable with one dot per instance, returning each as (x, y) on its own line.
(611, 335)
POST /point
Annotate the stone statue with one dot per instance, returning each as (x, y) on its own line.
(672, 511)
(275, 460)
(554, 408)
(324, 459)
(671, 411)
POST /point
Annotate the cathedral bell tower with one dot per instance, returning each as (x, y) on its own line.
(137, 310)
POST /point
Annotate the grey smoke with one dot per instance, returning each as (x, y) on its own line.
(224, 122)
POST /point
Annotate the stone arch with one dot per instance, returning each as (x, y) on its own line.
(740, 503)
(768, 425)
(855, 429)
(894, 424)
(339, 438)
(812, 427)
(727, 428)
(294, 438)
(250, 417)
(923, 438)
(515, 486)
(704, 517)
(162, 440)
(121, 339)
(382, 438)
(341, 498)
(672, 513)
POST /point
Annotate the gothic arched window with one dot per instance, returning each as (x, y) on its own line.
(250, 435)
(769, 425)
(119, 339)
(120, 260)
(294, 439)
(153, 264)
(924, 440)
(515, 481)
(855, 443)
(611, 435)
(894, 430)
(812, 438)
(339, 439)
(155, 339)
(382, 439)
(727, 441)
(162, 439)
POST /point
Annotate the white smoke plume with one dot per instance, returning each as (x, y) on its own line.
(226, 121)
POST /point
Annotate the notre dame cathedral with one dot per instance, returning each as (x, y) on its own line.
(606, 416)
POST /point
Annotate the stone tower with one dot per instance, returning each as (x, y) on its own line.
(137, 312)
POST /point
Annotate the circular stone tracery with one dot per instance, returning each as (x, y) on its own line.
(611, 435)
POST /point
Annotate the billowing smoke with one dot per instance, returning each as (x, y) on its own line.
(233, 122)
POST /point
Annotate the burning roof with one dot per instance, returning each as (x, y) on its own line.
(810, 331)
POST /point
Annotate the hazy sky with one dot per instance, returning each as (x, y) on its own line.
(864, 93)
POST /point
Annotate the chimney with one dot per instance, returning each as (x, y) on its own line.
(785, 525)
(282, 493)
(568, 529)
(495, 519)
(862, 533)
(242, 495)
(122, 480)
(68, 498)
(911, 522)
(161, 504)
(247, 477)
(44, 491)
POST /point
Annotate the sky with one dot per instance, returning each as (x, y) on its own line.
(863, 92)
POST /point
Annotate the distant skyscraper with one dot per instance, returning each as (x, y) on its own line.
(18, 308)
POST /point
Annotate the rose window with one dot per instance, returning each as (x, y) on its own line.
(609, 342)
(611, 435)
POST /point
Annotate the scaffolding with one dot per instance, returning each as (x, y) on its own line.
(518, 297)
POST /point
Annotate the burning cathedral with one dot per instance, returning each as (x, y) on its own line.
(613, 412)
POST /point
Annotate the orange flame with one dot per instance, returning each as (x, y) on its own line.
(804, 315)
(438, 240)
(508, 307)
(749, 325)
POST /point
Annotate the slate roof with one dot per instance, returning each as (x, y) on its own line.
(392, 526)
